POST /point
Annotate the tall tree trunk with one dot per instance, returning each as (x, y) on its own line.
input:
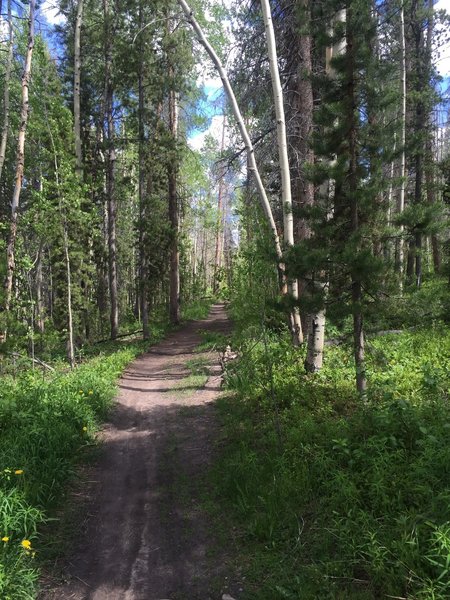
(400, 254)
(77, 90)
(219, 231)
(110, 170)
(6, 83)
(10, 252)
(143, 274)
(286, 193)
(62, 212)
(39, 295)
(253, 168)
(356, 285)
(174, 288)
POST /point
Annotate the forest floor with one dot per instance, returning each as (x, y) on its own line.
(140, 532)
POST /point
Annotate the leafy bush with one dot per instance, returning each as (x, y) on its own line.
(44, 424)
(336, 499)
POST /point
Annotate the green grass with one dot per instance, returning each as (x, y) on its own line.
(48, 421)
(197, 379)
(45, 423)
(331, 498)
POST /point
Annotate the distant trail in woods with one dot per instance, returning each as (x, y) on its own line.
(144, 536)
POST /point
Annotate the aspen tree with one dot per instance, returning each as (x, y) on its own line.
(6, 108)
(286, 194)
(20, 161)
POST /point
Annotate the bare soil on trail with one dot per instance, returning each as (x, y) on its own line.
(143, 536)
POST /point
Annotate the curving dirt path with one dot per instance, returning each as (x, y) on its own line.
(145, 537)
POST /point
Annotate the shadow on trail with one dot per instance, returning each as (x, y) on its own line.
(142, 535)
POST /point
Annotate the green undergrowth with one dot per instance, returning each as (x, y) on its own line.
(332, 498)
(48, 422)
(45, 424)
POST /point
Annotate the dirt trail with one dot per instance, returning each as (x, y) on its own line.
(145, 537)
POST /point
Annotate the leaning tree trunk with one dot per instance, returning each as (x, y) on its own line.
(10, 252)
(286, 194)
(253, 168)
(110, 171)
(6, 83)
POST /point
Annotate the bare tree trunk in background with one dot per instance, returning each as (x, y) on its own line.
(400, 253)
(9, 59)
(62, 212)
(143, 274)
(174, 290)
(39, 296)
(77, 90)
(429, 167)
(10, 252)
(357, 295)
(219, 233)
(286, 194)
(110, 170)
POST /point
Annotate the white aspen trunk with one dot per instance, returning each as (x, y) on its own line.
(317, 321)
(10, 252)
(219, 232)
(5, 126)
(401, 197)
(286, 194)
(240, 123)
(77, 90)
(174, 288)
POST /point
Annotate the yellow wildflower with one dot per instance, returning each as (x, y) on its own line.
(90, 392)
(26, 544)
(5, 539)
(81, 392)
(18, 472)
(84, 428)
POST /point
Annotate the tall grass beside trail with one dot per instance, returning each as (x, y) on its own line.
(45, 423)
(332, 498)
(44, 426)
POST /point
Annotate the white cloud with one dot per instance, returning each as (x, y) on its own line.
(215, 129)
(50, 10)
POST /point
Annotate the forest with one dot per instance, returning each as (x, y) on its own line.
(263, 181)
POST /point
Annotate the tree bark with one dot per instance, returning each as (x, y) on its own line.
(39, 295)
(143, 274)
(400, 254)
(77, 90)
(110, 171)
(240, 123)
(9, 59)
(356, 286)
(219, 232)
(10, 252)
(174, 289)
(286, 192)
